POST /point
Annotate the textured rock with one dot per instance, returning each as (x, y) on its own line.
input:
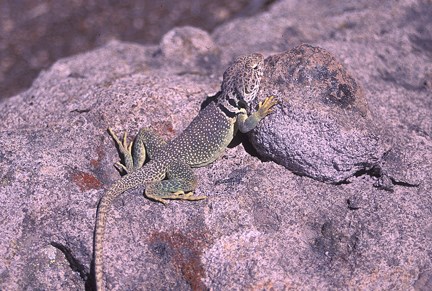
(262, 226)
(323, 127)
(190, 48)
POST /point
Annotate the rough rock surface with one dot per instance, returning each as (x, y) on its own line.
(262, 226)
(323, 128)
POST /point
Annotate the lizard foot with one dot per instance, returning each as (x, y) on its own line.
(181, 195)
(266, 107)
(125, 149)
(157, 199)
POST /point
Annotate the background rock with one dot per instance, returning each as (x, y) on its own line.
(262, 226)
(34, 34)
(190, 48)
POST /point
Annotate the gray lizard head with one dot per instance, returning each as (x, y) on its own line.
(242, 79)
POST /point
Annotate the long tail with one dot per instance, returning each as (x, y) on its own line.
(127, 182)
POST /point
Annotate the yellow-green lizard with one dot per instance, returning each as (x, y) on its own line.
(168, 174)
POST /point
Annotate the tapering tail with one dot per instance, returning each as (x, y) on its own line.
(127, 182)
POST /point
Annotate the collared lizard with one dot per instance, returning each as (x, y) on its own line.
(168, 174)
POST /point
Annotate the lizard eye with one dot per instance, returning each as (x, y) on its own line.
(255, 66)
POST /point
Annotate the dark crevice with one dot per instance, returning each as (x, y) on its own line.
(385, 182)
(76, 266)
(375, 171)
(343, 182)
(402, 183)
(352, 205)
(249, 148)
(81, 110)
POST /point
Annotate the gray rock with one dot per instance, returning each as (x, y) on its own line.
(323, 127)
(262, 226)
(190, 48)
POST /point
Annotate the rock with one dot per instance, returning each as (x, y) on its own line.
(190, 49)
(323, 127)
(262, 227)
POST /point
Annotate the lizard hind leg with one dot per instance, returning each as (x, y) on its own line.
(125, 150)
(179, 185)
(153, 144)
(134, 153)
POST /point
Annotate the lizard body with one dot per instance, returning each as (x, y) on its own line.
(168, 174)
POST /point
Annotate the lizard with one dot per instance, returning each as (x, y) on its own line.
(168, 174)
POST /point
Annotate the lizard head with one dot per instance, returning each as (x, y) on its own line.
(242, 79)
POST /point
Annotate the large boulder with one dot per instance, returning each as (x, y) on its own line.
(323, 127)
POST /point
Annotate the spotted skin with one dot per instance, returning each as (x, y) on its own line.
(168, 174)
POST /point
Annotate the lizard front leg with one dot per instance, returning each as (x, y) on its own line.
(246, 123)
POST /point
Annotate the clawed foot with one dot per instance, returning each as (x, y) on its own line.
(179, 195)
(125, 149)
(266, 107)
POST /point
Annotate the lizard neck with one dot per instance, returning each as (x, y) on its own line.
(230, 104)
